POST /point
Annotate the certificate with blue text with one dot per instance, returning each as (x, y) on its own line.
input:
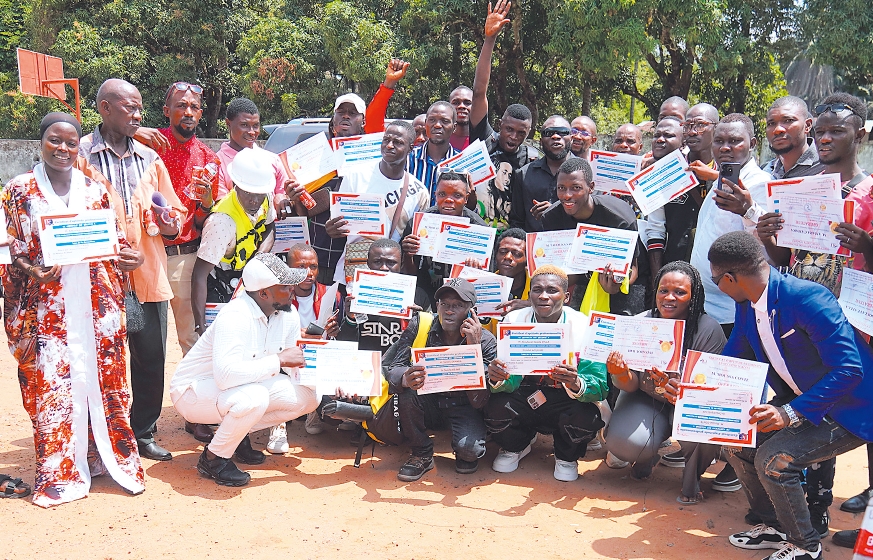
(644, 342)
(595, 247)
(450, 368)
(290, 232)
(383, 293)
(533, 348)
(856, 299)
(811, 223)
(365, 213)
(356, 151)
(715, 414)
(612, 171)
(78, 238)
(457, 242)
(491, 289)
(307, 374)
(661, 182)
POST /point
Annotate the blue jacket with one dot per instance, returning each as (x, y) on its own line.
(825, 355)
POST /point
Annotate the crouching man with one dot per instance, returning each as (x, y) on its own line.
(565, 399)
(233, 377)
(456, 323)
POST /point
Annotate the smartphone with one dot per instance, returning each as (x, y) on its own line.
(729, 171)
(314, 330)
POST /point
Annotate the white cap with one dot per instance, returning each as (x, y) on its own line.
(266, 269)
(352, 98)
(252, 171)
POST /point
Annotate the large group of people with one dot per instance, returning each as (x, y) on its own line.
(196, 228)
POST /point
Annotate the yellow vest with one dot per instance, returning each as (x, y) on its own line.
(248, 237)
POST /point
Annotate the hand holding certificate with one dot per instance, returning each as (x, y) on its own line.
(355, 372)
(364, 213)
(383, 293)
(643, 342)
(810, 223)
(596, 247)
(307, 375)
(715, 414)
(450, 368)
(473, 160)
(78, 238)
(491, 289)
(427, 227)
(311, 162)
(533, 349)
(612, 171)
(550, 247)
(661, 182)
(458, 242)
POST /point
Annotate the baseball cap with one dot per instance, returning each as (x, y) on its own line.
(352, 98)
(461, 287)
(266, 269)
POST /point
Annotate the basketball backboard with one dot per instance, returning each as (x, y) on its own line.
(36, 68)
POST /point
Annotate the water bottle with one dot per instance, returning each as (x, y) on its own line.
(864, 544)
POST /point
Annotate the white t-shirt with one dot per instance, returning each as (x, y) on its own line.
(306, 309)
(370, 180)
(219, 235)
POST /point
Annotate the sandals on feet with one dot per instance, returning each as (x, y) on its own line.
(686, 501)
(13, 488)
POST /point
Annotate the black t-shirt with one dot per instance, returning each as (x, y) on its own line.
(610, 212)
(379, 333)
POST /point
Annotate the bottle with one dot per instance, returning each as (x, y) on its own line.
(864, 544)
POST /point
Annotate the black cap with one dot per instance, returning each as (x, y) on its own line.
(461, 287)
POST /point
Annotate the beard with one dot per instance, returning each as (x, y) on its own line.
(781, 151)
(558, 156)
(286, 307)
(183, 132)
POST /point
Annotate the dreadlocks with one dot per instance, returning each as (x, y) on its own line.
(695, 308)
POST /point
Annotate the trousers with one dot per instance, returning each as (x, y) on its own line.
(241, 410)
(418, 413)
(179, 269)
(148, 352)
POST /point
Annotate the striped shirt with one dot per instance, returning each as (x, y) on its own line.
(424, 168)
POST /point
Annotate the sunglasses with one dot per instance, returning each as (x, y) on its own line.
(183, 86)
(717, 279)
(553, 130)
(442, 171)
(836, 108)
(580, 132)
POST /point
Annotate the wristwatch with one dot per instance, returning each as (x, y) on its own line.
(793, 419)
(750, 211)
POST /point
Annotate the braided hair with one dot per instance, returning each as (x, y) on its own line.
(695, 308)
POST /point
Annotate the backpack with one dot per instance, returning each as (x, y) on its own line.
(384, 427)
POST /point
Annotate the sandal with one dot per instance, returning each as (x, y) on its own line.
(686, 501)
(12, 486)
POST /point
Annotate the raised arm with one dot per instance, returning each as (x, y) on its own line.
(495, 21)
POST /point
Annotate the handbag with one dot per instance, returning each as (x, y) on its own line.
(135, 316)
(356, 253)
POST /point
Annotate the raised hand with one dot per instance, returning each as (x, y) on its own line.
(496, 19)
(395, 72)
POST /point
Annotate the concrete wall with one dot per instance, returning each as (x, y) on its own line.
(19, 156)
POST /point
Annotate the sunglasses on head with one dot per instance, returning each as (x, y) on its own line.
(447, 170)
(553, 130)
(835, 108)
(184, 86)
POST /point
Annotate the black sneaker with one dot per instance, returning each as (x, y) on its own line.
(846, 539)
(758, 537)
(819, 519)
(673, 460)
(245, 454)
(857, 504)
(791, 552)
(466, 467)
(415, 467)
(222, 471)
(726, 480)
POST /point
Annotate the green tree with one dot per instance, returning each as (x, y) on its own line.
(841, 34)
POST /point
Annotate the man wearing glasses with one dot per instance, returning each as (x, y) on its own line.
(583, 135)
(534, 191)
(456, 323)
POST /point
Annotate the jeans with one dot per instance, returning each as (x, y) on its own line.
(418, 413)
(513, 423)
(820, 485)
(148, 351)
(771, 473)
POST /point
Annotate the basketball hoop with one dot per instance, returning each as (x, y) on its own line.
(43, 75)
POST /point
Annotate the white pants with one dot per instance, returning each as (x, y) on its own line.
(244, 409)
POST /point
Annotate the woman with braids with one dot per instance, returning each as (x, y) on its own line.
(643, 416)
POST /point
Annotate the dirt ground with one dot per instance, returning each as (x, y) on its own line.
(313, 503)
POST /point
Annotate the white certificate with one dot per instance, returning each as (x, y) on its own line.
(491, 289)
(810, 223)
(457, 242)
(365, 213)
(702, 368)
(356, 372)
(550, 247)
(612, 170)
(450, 368)
(661, 182)
(290, 232)
(211, 312)
(473, 160)
(307, 375)
(534, 348)
(644, 342)
(595, 247)
(355, 151)
(715, 414)
(312, 162)
(820, 186)
(5, 255)
(856, 299)
(383, 293)
(77, 238)
(427, 227)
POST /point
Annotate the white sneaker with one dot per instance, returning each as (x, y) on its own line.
(758, 537)
(595, 444)
(278, 443)
(507, 461)
(791, 552)
(313, 424)
(566, 471)
(614, 462)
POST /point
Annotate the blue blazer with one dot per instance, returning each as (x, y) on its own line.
(825, 355)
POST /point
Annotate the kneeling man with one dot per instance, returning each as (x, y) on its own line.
(566, 397)
(233, 377)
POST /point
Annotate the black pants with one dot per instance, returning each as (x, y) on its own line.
(148, 352)
(419, 413)
(513, 423)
